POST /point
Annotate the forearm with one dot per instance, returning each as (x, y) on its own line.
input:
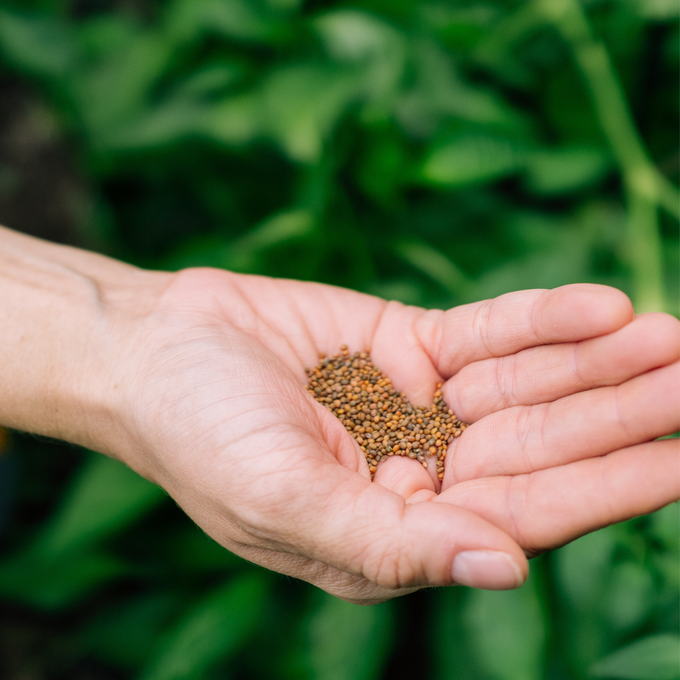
(62, 310)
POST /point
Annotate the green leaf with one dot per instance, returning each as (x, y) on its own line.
(630, 594)
(583, 572)
(244, 254)
(434, 264)
(302, 103)
(367, 42)
(56, 583)
(552, 252)
(39, 45)
(277, 229)
(496, 49)
(187, 19)
(116, 88)
(658, 10)
(583, 568)
(153, 128)
(106, 497)
(352, 35)
(211, 631)
(64, 562)
(440, 94)
(507, 632)
(460, 26)
(566, 169)
(470, 159)
(189, 111)
(234, 121)
(210, 79)
(653, 658)
(347, 641)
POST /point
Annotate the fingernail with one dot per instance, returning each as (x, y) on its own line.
(486, 569)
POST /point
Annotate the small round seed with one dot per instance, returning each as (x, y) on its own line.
(382, 421)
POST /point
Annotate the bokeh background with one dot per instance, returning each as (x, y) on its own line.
(434, 152)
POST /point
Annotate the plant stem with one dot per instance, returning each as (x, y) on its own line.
(646, 189)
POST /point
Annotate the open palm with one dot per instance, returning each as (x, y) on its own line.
(566, 391)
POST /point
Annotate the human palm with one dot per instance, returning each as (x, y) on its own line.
(565, 391)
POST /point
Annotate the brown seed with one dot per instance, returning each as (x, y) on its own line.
(380, 418)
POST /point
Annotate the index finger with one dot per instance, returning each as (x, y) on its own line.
(517, 321)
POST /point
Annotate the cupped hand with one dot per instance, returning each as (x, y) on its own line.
(565, 389)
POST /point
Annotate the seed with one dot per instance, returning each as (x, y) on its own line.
(382, 421)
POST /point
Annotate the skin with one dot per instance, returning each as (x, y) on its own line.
(196, 381)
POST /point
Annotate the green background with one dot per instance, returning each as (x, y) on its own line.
(431, 152)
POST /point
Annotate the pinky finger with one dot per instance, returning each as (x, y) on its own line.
(549, 508)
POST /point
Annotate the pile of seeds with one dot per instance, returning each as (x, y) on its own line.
(381, 419)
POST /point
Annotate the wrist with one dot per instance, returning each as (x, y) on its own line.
(69, 321)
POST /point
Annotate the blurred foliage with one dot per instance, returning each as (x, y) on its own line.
(433, 152)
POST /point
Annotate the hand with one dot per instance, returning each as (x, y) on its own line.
(565, 390)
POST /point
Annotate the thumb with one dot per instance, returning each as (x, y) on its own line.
(365, 529)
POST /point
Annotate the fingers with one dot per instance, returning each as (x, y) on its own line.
(549, 508)
(524, 439)
(397, 352)
(406, 477)
(516, 321)
(542, 374)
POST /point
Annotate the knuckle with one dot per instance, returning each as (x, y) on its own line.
(506, 370)
(481, 326)
(390, 567)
